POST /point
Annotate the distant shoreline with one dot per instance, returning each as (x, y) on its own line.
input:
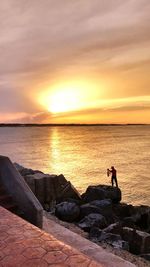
(69, 124)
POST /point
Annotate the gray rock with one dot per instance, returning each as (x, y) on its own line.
(109, 237)
(67, 211)
(93, 219)
(121, 244)
(95, 234)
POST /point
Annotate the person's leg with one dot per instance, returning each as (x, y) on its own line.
(116, 182)
(112, 181)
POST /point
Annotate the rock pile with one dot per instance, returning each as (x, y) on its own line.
(48, 188)
(98, 211)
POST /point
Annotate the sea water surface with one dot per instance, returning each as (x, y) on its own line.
(83, 153)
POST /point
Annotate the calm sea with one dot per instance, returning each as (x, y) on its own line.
(83, 154)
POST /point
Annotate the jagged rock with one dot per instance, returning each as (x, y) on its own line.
(31, 182)
(139, 242)
(123, 210)
(18, 166)
(146, 256)
(68, 191)
(67, 211)
(105, 208)
(42, 186)
(87, 209)
(100, 235)
(93, 219)
(120, 244)
(100, 192)
(95, 233)
(115, 228)
(133, 216)
(109, 237)
(128, 222)
(142, 217)
(112, 239)
(72, 200)
(25, 171)
(102, 204)
(48, 188)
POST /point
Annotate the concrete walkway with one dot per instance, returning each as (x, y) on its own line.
(22, 244)
(85, 246)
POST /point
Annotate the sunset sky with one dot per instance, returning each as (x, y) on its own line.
(75, 61)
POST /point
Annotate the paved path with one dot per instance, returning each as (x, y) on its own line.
(22, 244)
(85, 246)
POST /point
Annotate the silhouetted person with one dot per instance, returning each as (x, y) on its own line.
(113, 175)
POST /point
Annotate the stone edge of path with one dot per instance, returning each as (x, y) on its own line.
(85, 246)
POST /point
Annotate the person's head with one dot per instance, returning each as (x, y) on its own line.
(112, 167)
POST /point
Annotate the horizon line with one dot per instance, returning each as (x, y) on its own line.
(67, 124)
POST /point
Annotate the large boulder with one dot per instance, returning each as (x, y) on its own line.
(105, 208)
(100, 192)
(93, 219)
(48, 188)
(123, 210)
(142, 217)
(139, 242)
(102, 207)
(42, 186)
(67, 211)
(133, 216)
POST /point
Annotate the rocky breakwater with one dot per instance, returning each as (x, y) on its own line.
(98, 211)
(48, 188)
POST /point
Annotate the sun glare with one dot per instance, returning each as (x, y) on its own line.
(63, 101)
(65, 97)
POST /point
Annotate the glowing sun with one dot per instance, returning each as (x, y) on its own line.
(63, 101)
(66, 97)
